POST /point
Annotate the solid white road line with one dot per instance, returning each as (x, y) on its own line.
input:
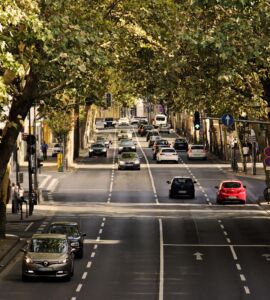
(161, 262)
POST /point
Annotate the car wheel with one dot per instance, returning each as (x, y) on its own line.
(171, 195)
(25, 278)
(218, 201)
(80, 253)
(90, 155)
(105, 155)
(192, 196)
(188, 158)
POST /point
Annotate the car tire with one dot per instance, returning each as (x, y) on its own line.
(192, 196)
(218, 201)
(171, 195)
(90, 155)
(25, 278)
(80, 253)
(105, 155)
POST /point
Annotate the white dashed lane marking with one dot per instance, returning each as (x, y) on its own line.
(79, 287)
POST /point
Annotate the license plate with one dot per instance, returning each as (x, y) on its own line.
(45, 269)
(232, 197)
(182, 192)
(129, 165)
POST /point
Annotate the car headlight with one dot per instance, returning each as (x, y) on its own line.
(133, 147)
(104, 150)
(121, 163)
(137, 162)
(90, 150)
(120, 148)
(63, 261)
(28, 260)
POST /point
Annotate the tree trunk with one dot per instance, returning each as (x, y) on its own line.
(19, 109)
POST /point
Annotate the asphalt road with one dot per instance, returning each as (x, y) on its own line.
(142, 245)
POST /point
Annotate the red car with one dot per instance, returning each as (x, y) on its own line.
(231, 191)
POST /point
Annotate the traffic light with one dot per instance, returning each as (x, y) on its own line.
(197, 121)
(31, 139)
(108, 99)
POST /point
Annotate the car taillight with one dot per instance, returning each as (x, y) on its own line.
(161, 154)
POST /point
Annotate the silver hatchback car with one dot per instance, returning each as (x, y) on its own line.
(48, 255)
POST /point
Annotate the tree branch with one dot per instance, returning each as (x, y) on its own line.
(54, 90)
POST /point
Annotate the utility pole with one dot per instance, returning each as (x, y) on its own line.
(29, 165)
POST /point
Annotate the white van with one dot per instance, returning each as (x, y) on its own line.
(160, 119)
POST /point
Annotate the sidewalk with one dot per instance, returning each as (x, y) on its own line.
(12, 243)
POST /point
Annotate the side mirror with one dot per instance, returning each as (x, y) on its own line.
(168, 181)
(83, 234)
(194, 181)
(216, 187)
(244, 186)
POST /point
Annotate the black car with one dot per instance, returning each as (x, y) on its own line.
(98, 149)
(72, 231)
(109, 122)
(180, 144)
(181, 187)
(151, 133)
(145, 129)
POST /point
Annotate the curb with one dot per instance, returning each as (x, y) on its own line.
(10, 253)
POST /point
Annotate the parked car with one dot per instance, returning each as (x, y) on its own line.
(167, 154)
(196, 152)
(123, 121)
(98, 149)
(124, 134)
(126, 146)
(153, 139)
(100, 124)
(48, 255)
(129, 160)
(180, 144)
(57, 148)
(145, 129)
(231, 191)
(109, 122)
(72, 231)
(151, 133)
(181, 186)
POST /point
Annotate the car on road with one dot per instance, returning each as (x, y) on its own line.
(72, 231)
(167, 154)
(48, 255)
(129, 160)
(164, 128)
(180, 144)
(126, 146)
(151, 133)
(123, 122)
(57, 148)
(145, 129)
(98, 149)
(104, 140)
(231, 191)
(196, 152)
(181, 186)
(124, 134)
(159, 144)
(153, 139)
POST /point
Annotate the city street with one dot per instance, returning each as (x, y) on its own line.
(140, 244)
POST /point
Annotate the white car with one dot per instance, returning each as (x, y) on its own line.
(196, 152)
(167, 154)
(123, 121)
(124, 134)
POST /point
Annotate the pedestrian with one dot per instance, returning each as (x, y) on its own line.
(21, 194)
(14, 198)
(44, 148)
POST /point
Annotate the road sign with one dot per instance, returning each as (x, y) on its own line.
(267, 157)
(227, 120)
